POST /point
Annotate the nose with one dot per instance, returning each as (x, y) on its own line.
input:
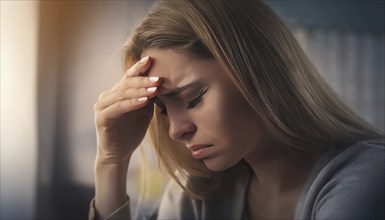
(181, 127)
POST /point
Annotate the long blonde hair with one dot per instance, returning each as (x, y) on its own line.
(263, 60)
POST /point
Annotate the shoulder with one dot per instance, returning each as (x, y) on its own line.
(366, 155)
(351, 184)
(363, 160)
(352, 159)
(368, 147)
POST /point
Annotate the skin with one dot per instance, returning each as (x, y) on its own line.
(119, 111)
(221, 118)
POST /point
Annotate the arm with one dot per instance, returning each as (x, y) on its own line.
(122, 116)
(110, 188)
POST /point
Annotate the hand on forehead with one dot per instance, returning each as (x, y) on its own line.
(176, 69)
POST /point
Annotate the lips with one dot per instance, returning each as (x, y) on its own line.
(198, 149)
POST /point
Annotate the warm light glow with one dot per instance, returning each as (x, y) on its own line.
(19, 27)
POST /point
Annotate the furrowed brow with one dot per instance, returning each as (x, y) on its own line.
(179, 90)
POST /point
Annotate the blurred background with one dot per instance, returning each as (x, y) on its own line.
(57, 56)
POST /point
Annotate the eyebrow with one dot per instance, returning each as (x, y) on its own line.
(180, 89)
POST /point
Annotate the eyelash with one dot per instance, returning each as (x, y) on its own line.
(196, 100)
(191, 104)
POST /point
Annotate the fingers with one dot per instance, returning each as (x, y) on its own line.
(132, 82)
(136, 82)
(119, 108)
(139, 68)
(131, 93)
(132, 78)
(125, 94)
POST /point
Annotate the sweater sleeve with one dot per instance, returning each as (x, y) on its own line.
(174, 204)
(123, 212)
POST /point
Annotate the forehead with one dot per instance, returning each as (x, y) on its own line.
(178, 69)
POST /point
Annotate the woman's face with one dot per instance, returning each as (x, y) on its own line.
(205, 110)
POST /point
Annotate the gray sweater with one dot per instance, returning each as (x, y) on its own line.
(344, 184)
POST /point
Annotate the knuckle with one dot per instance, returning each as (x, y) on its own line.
(145, 81)
(98, 117)
(100, 120)
(133, 70)
(96, 107)
(142, 91)
(128, 83)
(101, 95)
(128, 74)
(120, 105)
(136, 82)
(121, 92)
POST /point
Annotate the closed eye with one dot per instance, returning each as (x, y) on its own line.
(191, 104)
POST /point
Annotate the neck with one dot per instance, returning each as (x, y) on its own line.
(278, 170)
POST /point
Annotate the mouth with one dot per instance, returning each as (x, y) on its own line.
(198, 149)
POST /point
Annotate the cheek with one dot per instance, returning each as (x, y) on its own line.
(211, 118)
(231, 119)
(243, 125)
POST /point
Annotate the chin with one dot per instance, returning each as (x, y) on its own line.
(216, 165)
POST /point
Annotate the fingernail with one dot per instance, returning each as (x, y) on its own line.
(153, 78)
(143, 60)
(143, 99)
(151, 89)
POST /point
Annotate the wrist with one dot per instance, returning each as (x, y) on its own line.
(110, 185)
(106, 169)
(110, 159)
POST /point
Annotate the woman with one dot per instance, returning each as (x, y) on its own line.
(242, 122)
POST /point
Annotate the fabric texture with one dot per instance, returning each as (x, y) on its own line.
(344, 184)
(122, 212)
